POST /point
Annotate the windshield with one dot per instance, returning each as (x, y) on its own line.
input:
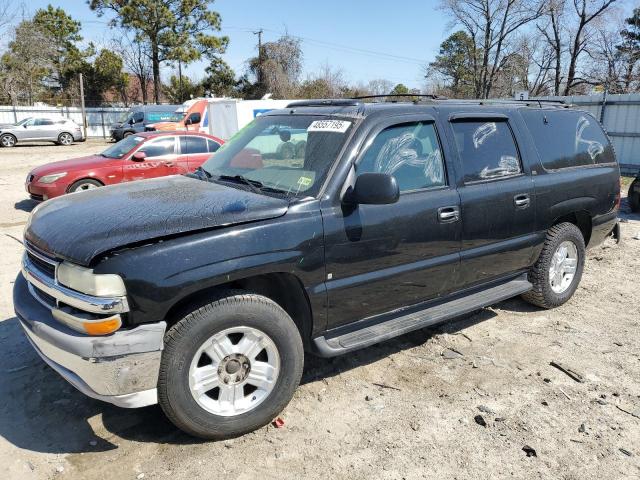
(291, 154)
(121, 148)
(22, 122)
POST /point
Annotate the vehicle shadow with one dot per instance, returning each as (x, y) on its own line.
(25, 205)
(39, 411)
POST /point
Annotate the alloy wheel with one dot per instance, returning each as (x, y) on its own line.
(234, 371)
(563, 266)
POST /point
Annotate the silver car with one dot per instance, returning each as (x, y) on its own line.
(62, 131)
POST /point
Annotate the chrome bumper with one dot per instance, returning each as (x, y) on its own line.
(121, 368)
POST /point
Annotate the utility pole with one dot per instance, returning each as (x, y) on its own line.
(84, 112)
(259, 33)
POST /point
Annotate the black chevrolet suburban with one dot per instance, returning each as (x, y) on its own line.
(325, 227)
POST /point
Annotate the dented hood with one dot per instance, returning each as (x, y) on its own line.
(80, 226)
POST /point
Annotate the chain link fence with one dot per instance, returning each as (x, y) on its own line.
(99, 119)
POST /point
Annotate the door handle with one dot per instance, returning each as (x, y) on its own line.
(522, 200)
(448, 214)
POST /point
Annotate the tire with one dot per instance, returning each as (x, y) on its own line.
(202, 414)
(544, 294)
(7, 140)
(65, 139)
(634, 197)
(84, 184)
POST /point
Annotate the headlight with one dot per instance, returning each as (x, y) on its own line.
(51, 178)
(85, 281)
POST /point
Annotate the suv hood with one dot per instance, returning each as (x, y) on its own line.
(80, 226)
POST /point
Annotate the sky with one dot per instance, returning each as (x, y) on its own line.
(365, 39)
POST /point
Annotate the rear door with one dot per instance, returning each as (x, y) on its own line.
(46, 129)
(497, 198)
(161, 160)
(195, 150)
(383, 257)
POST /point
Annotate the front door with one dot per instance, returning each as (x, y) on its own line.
(383, 257)
(497, 198)
(161, 160)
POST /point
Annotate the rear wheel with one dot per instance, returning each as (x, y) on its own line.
(65, 139)
(230, 367)
(634, 197)
(7, 140)
(84, 184)
(557, 273)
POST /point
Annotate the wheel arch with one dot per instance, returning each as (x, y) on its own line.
(95, 179)
(283, 288)
(581, 219)
(11, 135)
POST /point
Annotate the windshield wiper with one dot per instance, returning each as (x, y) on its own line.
(254, 185)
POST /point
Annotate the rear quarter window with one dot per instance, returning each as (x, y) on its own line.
(568, 138)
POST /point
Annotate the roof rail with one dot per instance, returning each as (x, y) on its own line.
(326, 102)
(396, 95)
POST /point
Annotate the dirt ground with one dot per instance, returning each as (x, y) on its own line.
(408, 408)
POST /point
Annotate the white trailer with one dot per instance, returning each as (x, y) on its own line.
(226, 116)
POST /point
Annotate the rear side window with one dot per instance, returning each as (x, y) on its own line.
(213, 146)
(487, 150)
(567, 138)
(193, 145)
(410, 152)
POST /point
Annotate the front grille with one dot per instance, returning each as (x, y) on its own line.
(45, 297)
(45, 267)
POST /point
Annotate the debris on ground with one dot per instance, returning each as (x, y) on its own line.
(628, 412)
(485, 409)
(451, 354)
(582, 428)
(383, 385)
(479, 419)
(529, 451)
(278, 422)
(569, 371)
(626, 452)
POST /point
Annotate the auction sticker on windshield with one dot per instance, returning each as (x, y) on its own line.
(338, 126)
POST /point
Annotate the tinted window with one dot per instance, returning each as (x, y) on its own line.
(487, 150)
(192, 145)
(43, 121)
(410, 152)
(138, 117)
(567, 138)
(213, 146)
(159, 147)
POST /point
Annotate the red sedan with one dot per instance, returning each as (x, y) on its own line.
(139, 156)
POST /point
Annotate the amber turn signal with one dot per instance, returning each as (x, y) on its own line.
(103, 327)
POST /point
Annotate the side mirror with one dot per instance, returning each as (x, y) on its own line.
(193, 119)
(139, 157)
(374, 189)
(24, 125)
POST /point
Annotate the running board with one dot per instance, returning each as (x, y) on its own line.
(335, 343)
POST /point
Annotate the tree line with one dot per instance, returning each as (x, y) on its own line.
(498, 47)
(546, 47)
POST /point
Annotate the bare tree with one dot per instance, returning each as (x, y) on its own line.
(379, 86)
(136, 57)
(491, 24)
(27, 63)
(587, 11)
(8, 12)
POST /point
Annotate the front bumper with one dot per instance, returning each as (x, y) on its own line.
(121, 368)
(41, 191)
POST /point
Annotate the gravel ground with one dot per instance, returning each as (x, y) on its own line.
(467, 399)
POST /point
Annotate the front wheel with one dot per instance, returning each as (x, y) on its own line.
(84, 184)
(7, 140)
(65, 139)
(230, 367)
(557, 272)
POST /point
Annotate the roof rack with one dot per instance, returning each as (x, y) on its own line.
(327, 102)
(403, 95)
